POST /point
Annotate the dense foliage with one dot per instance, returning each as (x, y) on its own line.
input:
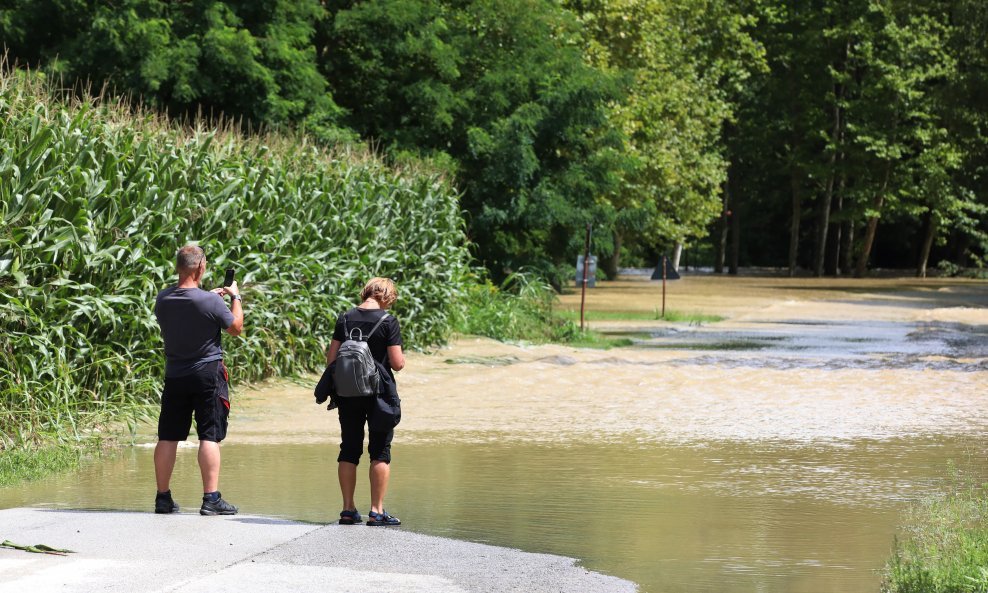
(500, 89)
(247, 60)
(683, 61)
(502, 94)
(94, 202)
(868, 116)
(830, 135)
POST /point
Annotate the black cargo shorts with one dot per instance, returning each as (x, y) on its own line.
(204, 394)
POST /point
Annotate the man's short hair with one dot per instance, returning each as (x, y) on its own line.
(189, 258)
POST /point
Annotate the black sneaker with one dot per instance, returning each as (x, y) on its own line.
(217, 507)
(163, 503)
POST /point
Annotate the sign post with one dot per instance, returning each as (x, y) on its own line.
(666, 273)
(663, 287)
(586, 271)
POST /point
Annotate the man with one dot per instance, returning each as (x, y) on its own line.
(196, 382)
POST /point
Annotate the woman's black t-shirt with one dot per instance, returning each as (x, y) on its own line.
(388, 334)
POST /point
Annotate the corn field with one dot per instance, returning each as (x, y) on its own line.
(95, 199)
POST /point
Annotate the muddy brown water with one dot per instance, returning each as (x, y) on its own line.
(774, 451)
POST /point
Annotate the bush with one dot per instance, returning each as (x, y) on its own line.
(948, 268)
(519, 309)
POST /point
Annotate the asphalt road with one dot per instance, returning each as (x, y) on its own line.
(144, 552)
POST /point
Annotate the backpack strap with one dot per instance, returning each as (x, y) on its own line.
(376, 325)
(380, 320)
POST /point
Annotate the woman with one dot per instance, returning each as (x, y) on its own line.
(385, 345)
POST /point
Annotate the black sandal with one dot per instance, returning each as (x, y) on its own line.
(382, 518)
(350, 517)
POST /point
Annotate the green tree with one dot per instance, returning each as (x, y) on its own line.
(683, 62)
(898, 123)
(866, 117)
(967, 122)
(500, 90)
(245, 60)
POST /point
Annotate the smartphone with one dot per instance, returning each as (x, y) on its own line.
(229, 277)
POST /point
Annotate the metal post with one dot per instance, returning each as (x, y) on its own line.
(663, 287)
(586, 272)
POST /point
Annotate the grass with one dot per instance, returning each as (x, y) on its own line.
(23, 464)
(592, 339)
(945, 545)
(670, 316)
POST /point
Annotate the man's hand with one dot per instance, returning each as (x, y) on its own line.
(231, 290)
(235, 307)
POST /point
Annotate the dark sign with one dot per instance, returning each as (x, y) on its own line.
(671, 273)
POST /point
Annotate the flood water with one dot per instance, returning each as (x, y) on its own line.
(728, 517)
(774, 452)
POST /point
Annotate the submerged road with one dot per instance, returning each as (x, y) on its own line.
(143, 552)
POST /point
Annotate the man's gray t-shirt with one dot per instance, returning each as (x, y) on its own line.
(191, 320)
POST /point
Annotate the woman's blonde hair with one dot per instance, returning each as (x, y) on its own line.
(380, 289)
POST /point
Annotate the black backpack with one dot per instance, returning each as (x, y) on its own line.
(356, 372)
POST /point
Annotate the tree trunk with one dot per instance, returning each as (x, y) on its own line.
(796, 215)
(724, 226)
(612, 263)
(823, 224)
(731, 224)
(795, 175)
(847, 247)
(869, 239)
(924, 254)
(735, 236)
(832, 255)
(834, 266)
(835, 138)
(676, 254)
